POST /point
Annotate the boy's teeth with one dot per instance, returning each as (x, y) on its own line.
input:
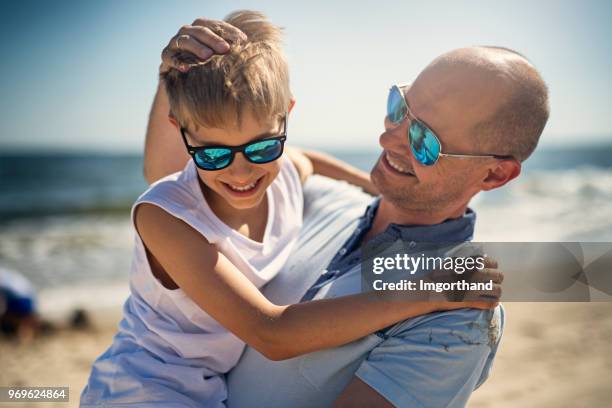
(243, 188)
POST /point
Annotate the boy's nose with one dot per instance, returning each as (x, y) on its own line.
(241, 168)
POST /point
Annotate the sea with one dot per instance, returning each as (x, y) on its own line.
(64, 217)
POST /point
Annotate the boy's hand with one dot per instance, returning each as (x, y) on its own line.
(455, 299)
(197, 42)
(489, 273)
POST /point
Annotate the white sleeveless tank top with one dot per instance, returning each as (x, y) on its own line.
(167, 323)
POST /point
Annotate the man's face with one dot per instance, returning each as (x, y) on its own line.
(451, 102)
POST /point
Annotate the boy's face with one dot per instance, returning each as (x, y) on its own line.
(242, 184)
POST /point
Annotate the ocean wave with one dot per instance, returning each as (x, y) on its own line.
(582, 183)
(551, 205)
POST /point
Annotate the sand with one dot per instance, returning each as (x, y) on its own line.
(552, 355)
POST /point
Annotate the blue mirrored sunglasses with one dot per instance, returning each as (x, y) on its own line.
(424, 143)
(212, 158)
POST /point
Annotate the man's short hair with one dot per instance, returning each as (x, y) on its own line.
(518, 123)
(252, 77)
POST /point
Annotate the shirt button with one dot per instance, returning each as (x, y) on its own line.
(412, 244)
(343, 251)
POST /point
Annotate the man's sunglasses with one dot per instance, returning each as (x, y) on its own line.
(261, 151)
(424, 143)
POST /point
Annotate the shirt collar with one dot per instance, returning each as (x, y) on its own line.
(452, 230)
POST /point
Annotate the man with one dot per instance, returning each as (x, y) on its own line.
(486, 108)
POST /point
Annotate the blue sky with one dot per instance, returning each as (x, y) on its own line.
(82, 75)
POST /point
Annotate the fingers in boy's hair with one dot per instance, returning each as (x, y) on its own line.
(188, 44)
(184, 50)
(204, 36)
(222, 28)
(179, 60)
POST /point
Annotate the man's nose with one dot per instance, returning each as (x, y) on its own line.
(388, 124)
(395, 137)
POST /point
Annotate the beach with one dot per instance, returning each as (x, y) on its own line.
(489, 122)
(552, 355)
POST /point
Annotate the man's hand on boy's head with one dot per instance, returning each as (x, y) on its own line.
(198, 42)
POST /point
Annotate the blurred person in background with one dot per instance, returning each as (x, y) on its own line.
(18, 315)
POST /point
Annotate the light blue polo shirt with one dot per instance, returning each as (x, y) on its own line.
(435, 360)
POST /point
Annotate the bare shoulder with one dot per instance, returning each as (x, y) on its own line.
(147, 216)
(173, 247)
(160, 229)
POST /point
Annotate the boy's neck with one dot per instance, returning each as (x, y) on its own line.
(250, 222)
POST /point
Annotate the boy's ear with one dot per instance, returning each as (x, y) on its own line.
(291, 105)
(173, 120)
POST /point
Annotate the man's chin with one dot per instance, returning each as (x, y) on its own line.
(398, 196)
(383, 185)
(386, 191)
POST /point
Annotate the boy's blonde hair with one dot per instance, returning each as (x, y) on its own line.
(252, 77)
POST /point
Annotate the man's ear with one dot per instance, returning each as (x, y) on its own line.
(291, 105)
(173, 120)
(503, 172)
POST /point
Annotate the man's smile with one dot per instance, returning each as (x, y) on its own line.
(396, 165)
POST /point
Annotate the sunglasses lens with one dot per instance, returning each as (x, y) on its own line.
(396, 106)
(264, 151)
(424, 144)
(213, 158)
